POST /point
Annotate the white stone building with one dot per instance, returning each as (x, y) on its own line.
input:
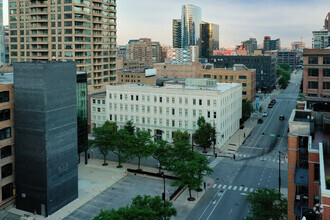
(163, 110)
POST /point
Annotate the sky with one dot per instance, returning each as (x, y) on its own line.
(238, 20)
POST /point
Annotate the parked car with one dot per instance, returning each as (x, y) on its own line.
(281, 117)
(273, 101)
(260, 121)
(270, 105)
(265, 114)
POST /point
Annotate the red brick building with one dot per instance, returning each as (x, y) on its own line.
(308, 164)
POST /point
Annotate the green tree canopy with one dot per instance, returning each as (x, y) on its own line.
(247, 108)
(205, 134)
(161, 153)
(266, 204)
(142, 208)
(179, 136)
(285, 66)
(191, 171)
(104, 138)
(142, 146)
(129, 127)
(123, 142)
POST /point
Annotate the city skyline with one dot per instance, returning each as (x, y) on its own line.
(238, 20)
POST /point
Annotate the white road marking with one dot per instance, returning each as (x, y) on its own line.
(251, 190)
(240, 189)
(245, 189)
(219, 186)
(214, 206)
(229, 187)
(224, 187)
(214, 185)
(243, 194)
(235, 187)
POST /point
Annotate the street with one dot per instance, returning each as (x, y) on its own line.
(256, 165)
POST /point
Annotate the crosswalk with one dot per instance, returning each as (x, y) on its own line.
(215, 162)
(270, 159)
(242, 189)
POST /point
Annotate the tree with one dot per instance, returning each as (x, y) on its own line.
(142, 208)
(205, 134)
(129, 127)
(247, 108)
(142, 146)
(123, 142)
(191, 172)
(104, 138)
(161, 152)
(179, 136)
(285, 66)
(266, 204)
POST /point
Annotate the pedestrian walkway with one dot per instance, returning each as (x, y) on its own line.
(215, 162)
(240, 188)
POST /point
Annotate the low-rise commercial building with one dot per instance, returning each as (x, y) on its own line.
(265, 67)
(147, 77)
(7, 191)
(188, 70)
(308, 157)
(316, 74)
(238, 74)
(288, 57)
(163, 110)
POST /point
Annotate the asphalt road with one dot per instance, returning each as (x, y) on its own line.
(256, 165)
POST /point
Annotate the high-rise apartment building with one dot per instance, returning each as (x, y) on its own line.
(270, 44)
(209, 39)
(321, 38)
(2, 33)
(191, 20)
(176, 29)
(145, 50)
(251, 45)
(81, 31)
(45, 107)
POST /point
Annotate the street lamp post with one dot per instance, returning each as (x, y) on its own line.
(279, 174)
(192, 142)
(163, 194)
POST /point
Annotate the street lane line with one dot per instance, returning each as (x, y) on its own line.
(214, 185)
(210, 203)
(240, 189)
(246, 188)
(243, 194)
(235, 187)
(215, 205)
(224, 187)
(219, 186)
(229, 187)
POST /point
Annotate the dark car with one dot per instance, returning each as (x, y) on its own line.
(270, 105)
(260, 121)
(281, 117)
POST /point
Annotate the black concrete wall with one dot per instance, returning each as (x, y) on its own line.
(45, 135)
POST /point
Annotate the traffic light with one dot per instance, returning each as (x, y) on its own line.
(278, 136)
(263, 134)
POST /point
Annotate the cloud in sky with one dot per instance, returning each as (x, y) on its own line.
(289, 20)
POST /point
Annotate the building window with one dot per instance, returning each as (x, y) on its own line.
(243, 93)
(326, 85)
(326, 72)
(200, 102)
(194, 101)
(7, 191)
(5, 133)
(5, 115)
(214, 115)
(160, 99)
(173, 123)
(326, 60)
(244, 84)
(137, 98)
(4, 96)
(316, 172)
(241, 77)
(231, 77)
(121, 96)
(208, 102)
(6, 170)
(313, 72)
(313, 60)
(215, 77)
(132, 97)
(6, 151)
(207, 76)
(313, 85)
(173, 111)
(173, 100)
(208, 114)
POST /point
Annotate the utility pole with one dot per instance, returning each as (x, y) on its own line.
(164, 189)
(279, 175)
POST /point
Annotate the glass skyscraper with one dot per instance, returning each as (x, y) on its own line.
(177, 33)
(191, 20)
(209, 39)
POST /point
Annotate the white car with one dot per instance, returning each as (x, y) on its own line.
(265, 114)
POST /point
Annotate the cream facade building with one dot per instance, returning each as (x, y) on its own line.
(163, 110)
